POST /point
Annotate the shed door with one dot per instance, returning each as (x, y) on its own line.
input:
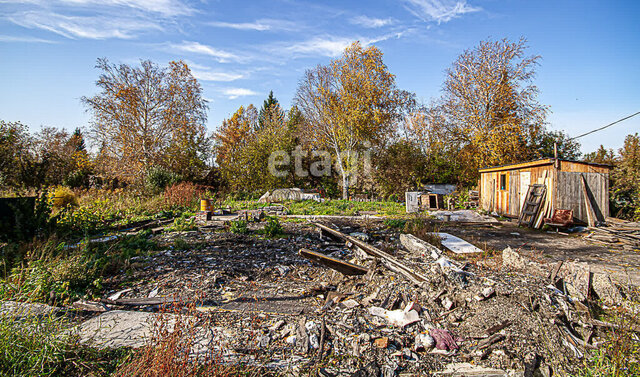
(525, 181)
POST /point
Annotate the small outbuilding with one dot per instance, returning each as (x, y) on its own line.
(503, 189)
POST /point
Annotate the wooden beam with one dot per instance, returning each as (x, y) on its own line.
(373, 251)
(341, 266)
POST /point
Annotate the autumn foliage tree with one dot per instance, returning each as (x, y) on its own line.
(490, 105)
(245, 142)
(148, 116)
(349, 104)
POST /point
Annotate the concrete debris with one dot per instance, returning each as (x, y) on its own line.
(290, 302)
(18, 310)
(456, 244)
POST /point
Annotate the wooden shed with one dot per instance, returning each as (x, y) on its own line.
(503, 188)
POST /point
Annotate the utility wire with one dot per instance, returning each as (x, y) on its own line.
(603, 127)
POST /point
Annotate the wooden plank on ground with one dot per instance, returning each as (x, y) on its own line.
(341, 266)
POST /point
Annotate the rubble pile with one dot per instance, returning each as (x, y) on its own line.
(406, 308)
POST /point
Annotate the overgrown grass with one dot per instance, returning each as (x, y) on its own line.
(619, 356)
(329, 207)
(41, 346)
(55, 272)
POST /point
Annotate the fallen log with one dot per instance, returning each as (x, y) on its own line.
(341, 266)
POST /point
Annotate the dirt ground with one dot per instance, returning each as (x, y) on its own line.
(622, 265)
(273, 307)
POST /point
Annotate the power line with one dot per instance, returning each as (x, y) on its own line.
(608, 125)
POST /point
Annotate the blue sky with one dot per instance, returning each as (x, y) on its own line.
(240, 50)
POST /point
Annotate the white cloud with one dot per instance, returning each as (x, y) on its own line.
(10, 38)
(233, 93)
(331, 46)
(258, 25)
(325, 46)
(167, 8)
(370, 22)
(242, 25)
(440, 10)
(207, 75)
(91, 27)
(201, 49)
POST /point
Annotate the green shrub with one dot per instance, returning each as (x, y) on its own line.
(183, 223)
(273, 228)
(239, 227)
(159, 178)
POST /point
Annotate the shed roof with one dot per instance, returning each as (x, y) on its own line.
(540, 162)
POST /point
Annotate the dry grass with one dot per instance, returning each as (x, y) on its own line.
(181, 345)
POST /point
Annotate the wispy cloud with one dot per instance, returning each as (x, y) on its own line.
(370, 22)
(332, 46)
(258, 25)
(205, 73)
(91, 27)
(325, 46)
(233, 93)
(202, 49)
(97, 19)
(167, 8)
(439, 10)
(11, 38)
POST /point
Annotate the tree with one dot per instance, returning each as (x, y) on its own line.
(269, 103)
(602, 156)
(567, 148)
(15, 154)
(626, 177)
(349, 103)
(232, 137)
(243, 149)
(147, 116)
(490, 105)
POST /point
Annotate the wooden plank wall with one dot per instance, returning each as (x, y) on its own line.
(514, 193)
(569, 193)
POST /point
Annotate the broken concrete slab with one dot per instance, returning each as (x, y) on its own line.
(17, 310)
(117, 328)
(456, 244)
(606, 290)
(418, 246)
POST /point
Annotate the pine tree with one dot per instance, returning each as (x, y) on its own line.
(271, 101)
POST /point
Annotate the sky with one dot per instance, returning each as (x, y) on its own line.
(589, 72)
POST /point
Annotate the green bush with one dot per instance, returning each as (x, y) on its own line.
(273, 228)
(159, 178)
(239, 227)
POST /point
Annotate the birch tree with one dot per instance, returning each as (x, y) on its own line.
(146, 116)
(490, 104)
(349, 103)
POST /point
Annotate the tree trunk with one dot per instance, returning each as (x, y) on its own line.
(345, 185)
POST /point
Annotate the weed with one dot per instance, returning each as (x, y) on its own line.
(180, 244)
(41, 346)
(183, 195)
(63, 197)
(183, 223)
(619, 356)
(395, 223)
(273, 228)
(423, 227)
(239, 227)
(176, 338)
